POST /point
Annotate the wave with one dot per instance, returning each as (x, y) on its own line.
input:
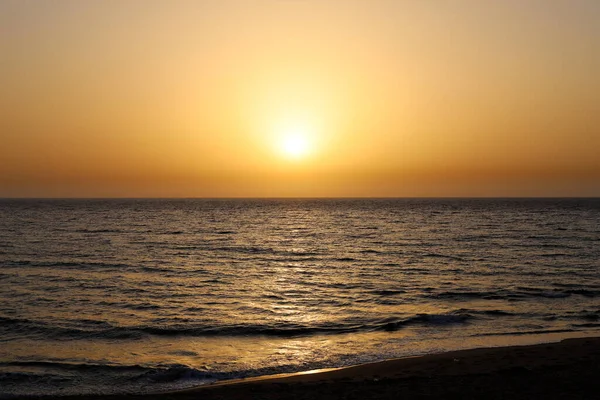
(89, 230)
(92, 329)
(526, 332)
(103, 330)
(518, 293)
(56, 377)
(457, 317)
(67, 264)
(269, 251)
(388, 292)
(439, 255)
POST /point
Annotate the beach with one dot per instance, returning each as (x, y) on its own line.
(294, 199)
(565, 370)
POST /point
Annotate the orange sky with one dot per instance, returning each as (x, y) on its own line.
(392, 98)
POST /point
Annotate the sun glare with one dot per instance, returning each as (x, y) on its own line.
(294, 144)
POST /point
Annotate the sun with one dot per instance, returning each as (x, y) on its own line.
(294, 144)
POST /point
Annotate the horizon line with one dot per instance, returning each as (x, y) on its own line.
(306, 198)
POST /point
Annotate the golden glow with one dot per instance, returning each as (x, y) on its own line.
(295, 144)
(300, 98)
(295, 140)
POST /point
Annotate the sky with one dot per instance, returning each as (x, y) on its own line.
(299, 98)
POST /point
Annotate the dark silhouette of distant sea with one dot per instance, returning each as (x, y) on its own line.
(116, 296)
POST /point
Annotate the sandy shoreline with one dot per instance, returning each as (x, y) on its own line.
(569, 369)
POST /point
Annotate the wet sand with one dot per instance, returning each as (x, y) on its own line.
(566, 370)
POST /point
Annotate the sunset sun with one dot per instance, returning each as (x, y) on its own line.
(294, 146)
(294, 143)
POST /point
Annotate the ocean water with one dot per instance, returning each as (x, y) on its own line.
(117, 296)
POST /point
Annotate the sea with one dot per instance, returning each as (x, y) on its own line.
(152, 295)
